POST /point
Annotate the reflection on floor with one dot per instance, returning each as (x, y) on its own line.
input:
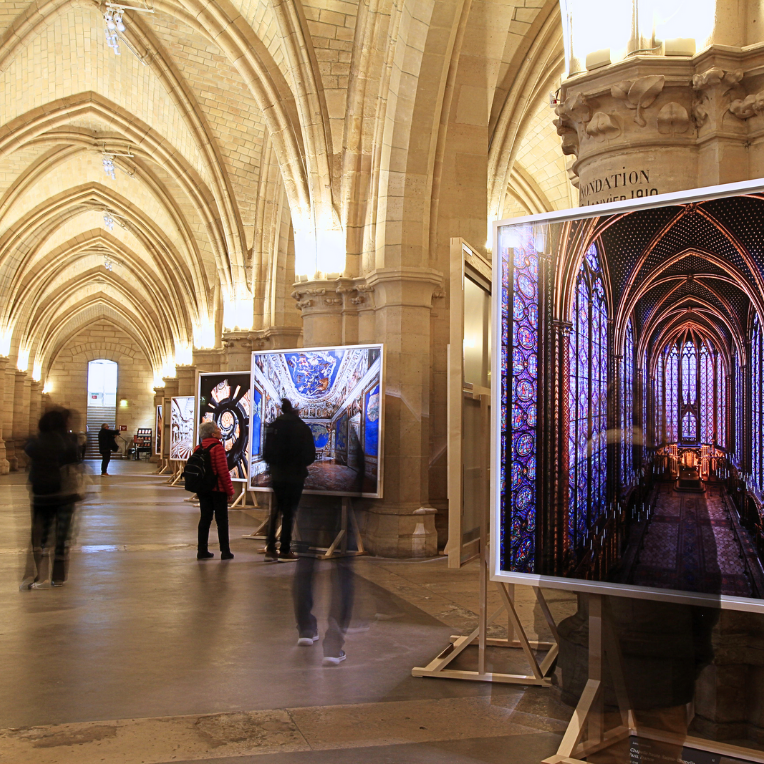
(147, 655)
(692, 544)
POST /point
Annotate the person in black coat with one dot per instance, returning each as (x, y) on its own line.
(289, 449)
(52, 505)
(106, 444)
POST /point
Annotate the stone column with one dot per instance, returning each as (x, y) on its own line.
(186, 380)
(208, 360)
(392, 306)
(9, 384)
(656, 124)
(237, 350)
(4, 465)
(21, 415)
(35, 406)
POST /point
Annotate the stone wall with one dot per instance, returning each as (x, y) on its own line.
(68, 378)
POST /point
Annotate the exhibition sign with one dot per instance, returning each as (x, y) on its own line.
(224, 398)
(595, 387)
(338, 392)
(181, 427)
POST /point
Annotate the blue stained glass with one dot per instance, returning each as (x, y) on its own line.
(627, 407)
(672, 395)
(721, 403)
(706, 393)
(519, 317)
(587, 373)
(756, 404)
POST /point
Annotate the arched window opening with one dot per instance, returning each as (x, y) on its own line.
(689, 393)
(721, 403)
(643, 414)
(627, 408)
(738, 412)
(659, 398)
(102, 384)
(587, 402)
(672, 395)
(706, 394)
(756, 405)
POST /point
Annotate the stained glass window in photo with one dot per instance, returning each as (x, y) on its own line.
(721, 403)
(519, 391)
(672, 395)
(587, 402)
(756, 444)
(706, 393)
(627, 407)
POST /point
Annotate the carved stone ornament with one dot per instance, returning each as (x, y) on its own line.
(714, 77)
(603, 126)
(750, 106)
(575, 109)
(673, 119)
(639, 94)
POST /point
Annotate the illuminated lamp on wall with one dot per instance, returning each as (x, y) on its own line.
(204, 334)
(6, 335)
(184, 354)
(238, 311)
(319, 256)
(48, 388)
(22, 362)
(123, 403)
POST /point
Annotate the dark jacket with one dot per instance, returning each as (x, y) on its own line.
(106, 442)
(289, 448)
(48, 452)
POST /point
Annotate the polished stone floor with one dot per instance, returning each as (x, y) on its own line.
(148, 655)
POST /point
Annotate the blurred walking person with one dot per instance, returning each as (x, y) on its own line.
(289, 449)
(214, 503)
(106, 444)
(57, 482)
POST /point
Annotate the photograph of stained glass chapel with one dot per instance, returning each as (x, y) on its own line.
(338, 392)
(630, 436)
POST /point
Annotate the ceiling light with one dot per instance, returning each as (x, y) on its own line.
(108, 221)
(112, 16)
(108, 166)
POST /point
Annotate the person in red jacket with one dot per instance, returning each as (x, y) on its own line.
(216, 502)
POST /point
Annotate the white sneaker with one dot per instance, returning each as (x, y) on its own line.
(330, 660)
(307, 641)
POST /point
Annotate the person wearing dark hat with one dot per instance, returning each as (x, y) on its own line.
(106, 444)
(289, 449)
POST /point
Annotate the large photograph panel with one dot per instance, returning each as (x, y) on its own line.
(224, 398)
(628, 454)
(181, 427)
(338, 393)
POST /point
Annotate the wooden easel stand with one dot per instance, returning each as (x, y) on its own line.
(541, 672)
(586, 732)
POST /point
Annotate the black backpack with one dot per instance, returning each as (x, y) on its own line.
(198, 474)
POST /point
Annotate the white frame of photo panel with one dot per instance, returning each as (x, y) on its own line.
(193, 433)
(381, 431)
(726, 602)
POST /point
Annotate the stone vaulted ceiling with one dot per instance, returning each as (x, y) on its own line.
(238, 131)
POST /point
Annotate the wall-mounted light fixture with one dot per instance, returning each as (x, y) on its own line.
(114, 20)
(123, 403)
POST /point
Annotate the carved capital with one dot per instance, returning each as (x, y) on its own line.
(639, 94)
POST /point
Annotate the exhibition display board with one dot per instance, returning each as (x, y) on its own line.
(224, 398)
(338, 392)
(159, 422)
(181, 427)
(580, 347)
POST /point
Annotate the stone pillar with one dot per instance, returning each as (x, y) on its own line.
(4, 465)
(21, 415)
(9, 384)
(655, 124)
(186, 380)
(35, 407)
(208, 360)
(238, 347)
(392, 306)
